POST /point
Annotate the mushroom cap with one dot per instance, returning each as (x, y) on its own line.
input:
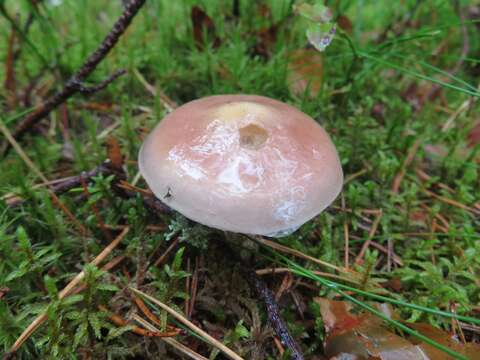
(242, 163)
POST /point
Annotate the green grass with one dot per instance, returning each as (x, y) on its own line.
(40, 248)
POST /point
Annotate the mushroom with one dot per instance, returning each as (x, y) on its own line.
(242, 163)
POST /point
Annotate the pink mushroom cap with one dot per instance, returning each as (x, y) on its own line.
(242, 163)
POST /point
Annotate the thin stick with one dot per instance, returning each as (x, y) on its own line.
(167, 252)
(287, 250)
(20, 152)
(170, 341)
(167, 103)
(282, 270)
(263, 292)
(371, 234)
(119, 321)
(212, 341)
(451, 202)
(408, 160)
(66, 291)
(346, 237)
(394, 257)
(273, 312)
(60, 186)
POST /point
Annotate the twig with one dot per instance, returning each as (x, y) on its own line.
(167, 103)
(408, 160)
(187, 290)
(281, 270)
(287, 250)
(273, 313)
(451, 202)
(393, 257)
(170, 341)
(167, 252)
(88, 90)
(212, 341)
(346, 237)
(371, 234)
(464, 107)
(74, 84)
(40, 319)
(146, 311)
(107, 267)
(194, 290)
(119, 321)
(11, 140)
(152, 203)
(68, 183)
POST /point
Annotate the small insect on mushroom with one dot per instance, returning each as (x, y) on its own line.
(242, 163)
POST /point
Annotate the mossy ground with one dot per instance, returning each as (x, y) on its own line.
(386, 109)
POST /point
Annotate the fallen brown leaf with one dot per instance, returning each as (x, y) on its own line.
(362, 335)
(305, 71)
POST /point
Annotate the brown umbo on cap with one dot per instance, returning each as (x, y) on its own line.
(242, 163)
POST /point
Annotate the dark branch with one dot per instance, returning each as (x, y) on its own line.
(69, 183)
(273, 312)
(87, 90)
(73, 85)
(106, 169)
(266, 296)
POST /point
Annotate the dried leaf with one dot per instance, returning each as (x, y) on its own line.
(364, 336)
(203, 26)
(345, 24)
(305, 71)
(470, 350)
(336, 316)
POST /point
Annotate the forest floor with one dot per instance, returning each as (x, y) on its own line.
(391, 268)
